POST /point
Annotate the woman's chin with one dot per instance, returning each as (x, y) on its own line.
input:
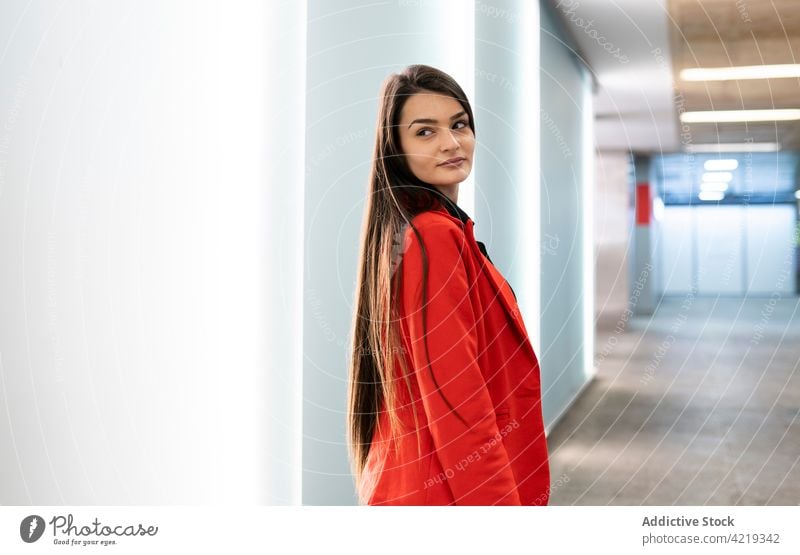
(451, 176)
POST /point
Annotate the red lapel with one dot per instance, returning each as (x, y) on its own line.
(499, 283)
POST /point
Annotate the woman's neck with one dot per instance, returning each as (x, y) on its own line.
(451, 191)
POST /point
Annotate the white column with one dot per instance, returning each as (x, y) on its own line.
(587, 206)
(283, 157)
(139, 245)
(507, 214)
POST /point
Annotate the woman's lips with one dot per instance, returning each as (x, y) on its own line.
(455, 164)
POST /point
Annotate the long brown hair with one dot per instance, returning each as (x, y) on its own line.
(395, 196)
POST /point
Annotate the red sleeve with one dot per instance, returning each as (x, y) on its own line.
(472, 455)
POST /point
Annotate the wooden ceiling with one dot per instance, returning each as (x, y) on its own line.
(718, 33)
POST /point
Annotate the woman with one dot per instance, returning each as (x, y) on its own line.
(444, 392)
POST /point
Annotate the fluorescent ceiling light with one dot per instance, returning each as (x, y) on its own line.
(734, 147)
(776, 71)
(710, 195)
(717, 176)
(720, 165)
(717, 186)
(722, 116)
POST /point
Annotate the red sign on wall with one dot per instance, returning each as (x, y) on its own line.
(643, 208)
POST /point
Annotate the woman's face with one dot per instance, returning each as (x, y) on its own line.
(435, 128)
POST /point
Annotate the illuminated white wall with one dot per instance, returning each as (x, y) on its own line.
(566, 219)
(281, 257)
(140, 357)
(507, 214)
(770, 249)
(732, 250)
(678, 251)
(612, 234)
(719, 243)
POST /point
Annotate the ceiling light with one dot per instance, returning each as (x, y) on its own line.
(717, 176)
(734, 147)
(724, 116)
(710, 195)
(720, 165)
(717, 186)
(776, 71)
(797, 195)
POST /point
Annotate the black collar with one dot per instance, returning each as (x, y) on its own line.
(457, 212)
(453, 208)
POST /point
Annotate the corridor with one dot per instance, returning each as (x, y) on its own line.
(697, 405)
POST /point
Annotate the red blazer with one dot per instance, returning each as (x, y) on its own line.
(484, 365)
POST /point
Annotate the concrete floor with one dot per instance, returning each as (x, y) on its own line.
(697, 405)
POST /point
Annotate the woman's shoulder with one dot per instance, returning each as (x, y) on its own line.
(435, 221)
(439, 233)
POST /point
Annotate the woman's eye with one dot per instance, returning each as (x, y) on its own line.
(419, 133)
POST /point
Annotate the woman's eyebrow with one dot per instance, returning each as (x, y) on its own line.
(431, 120)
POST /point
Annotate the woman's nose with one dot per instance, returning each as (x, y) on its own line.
(449, 140)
